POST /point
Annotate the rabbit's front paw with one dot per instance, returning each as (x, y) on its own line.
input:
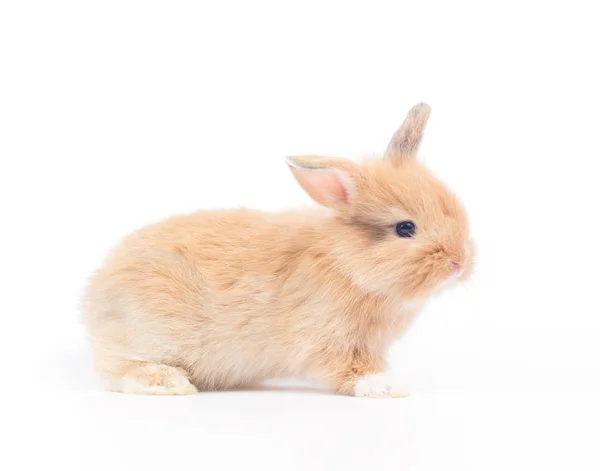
(378, 385)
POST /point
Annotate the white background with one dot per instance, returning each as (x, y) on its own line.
(115, 114)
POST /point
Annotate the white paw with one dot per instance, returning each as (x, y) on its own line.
(178, 387)
(378, 385)
(156, 379)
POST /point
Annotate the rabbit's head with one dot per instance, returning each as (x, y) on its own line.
(398, 230)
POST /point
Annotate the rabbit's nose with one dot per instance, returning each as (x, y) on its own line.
(456, 267)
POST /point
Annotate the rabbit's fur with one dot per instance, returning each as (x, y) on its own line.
(221, 299)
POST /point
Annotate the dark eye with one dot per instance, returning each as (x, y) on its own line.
(406, 229)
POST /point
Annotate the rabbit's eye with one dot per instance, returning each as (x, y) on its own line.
(406, 229)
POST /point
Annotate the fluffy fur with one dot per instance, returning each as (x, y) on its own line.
(222, 299)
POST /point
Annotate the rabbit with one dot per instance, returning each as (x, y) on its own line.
(228, 298)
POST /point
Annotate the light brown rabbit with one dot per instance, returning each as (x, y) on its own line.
(222, 299)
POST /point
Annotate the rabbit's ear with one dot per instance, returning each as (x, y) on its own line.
(328, 181)
(405, 141)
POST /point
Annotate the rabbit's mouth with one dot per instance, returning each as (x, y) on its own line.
(435, 269)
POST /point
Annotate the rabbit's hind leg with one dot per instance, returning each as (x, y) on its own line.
(153, 379)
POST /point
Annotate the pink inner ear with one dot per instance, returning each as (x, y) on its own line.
(325, 186)
(331, 185)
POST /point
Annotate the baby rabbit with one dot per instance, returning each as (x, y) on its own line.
(222, 299)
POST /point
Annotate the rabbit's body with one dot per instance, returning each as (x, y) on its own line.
(219, 299)
(233, 297)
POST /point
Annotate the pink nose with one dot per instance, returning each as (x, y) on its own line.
(457, 267)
